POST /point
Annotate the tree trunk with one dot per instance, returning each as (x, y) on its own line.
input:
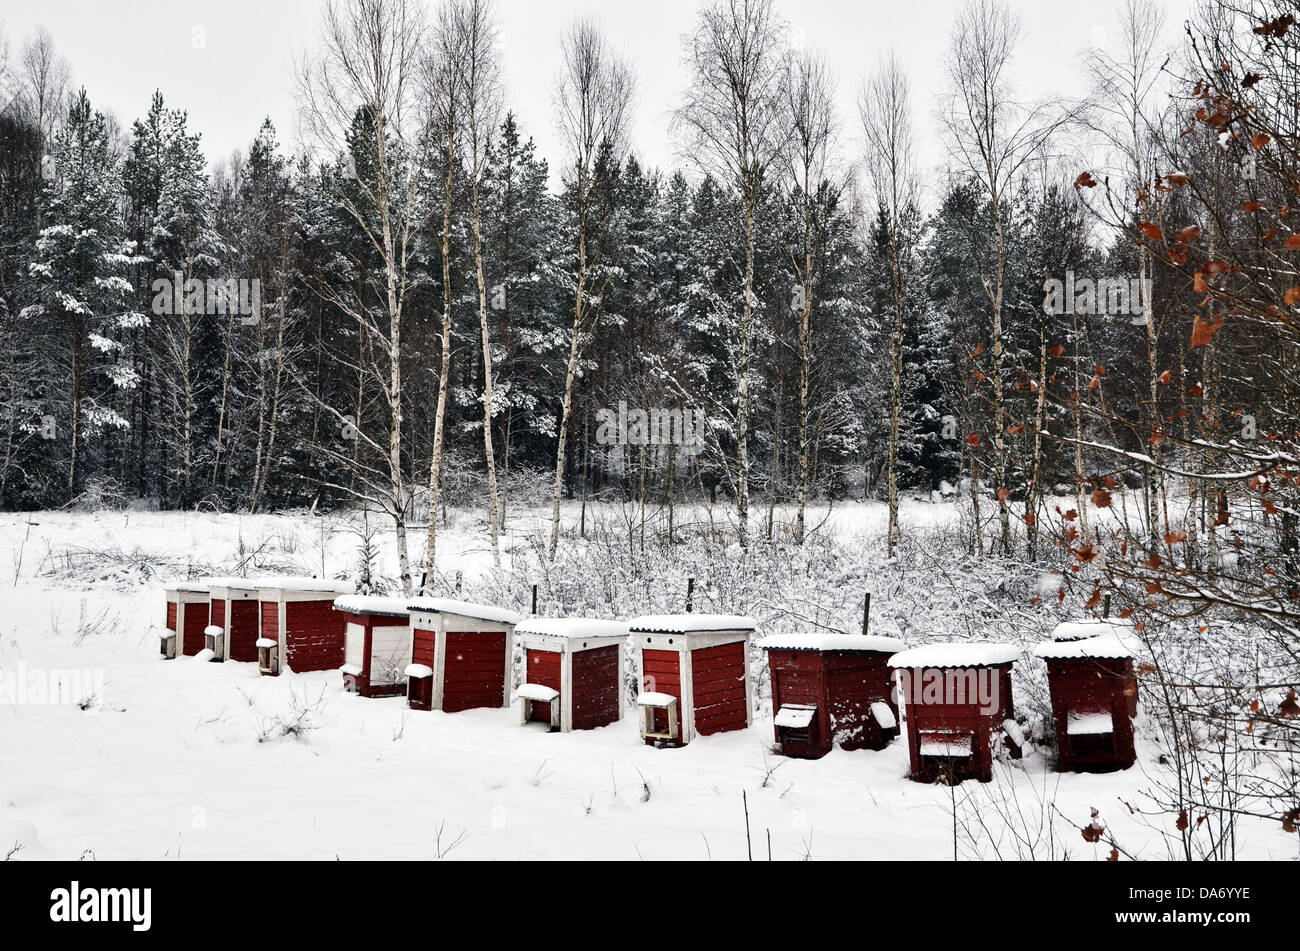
(487, 374)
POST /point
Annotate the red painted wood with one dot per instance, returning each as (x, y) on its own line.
(424, 647)
(962, 718)
(798, 678)
(196, 622)
(243, 631)
(662, 674)
(314, 635)
(474, 670)
(270, 611)
(718, 677)
(596, 683)
(1093, 685)
(544, 669)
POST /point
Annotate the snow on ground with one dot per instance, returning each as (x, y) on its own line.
(194, 760)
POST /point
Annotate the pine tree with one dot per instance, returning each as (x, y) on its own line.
(80, 265)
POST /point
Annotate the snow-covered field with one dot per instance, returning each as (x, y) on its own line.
(190, 760)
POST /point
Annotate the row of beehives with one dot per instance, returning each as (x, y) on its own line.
(827, 689)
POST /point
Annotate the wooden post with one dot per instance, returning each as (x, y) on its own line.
(1105, 607)
(690, 594)
(866, 612)
(534, 599)
(749, 844)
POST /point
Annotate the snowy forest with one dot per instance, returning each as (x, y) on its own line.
(407, 309)
(1076, 333)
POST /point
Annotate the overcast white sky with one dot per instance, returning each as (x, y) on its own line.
(242, 69)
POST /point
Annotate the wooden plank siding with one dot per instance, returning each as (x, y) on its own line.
(662, 672)
(596, 682)
(1094, 685)
(314, 635)
(544, 668)
(718, 684)
(242, 637)
(196, 621)
(474, 665)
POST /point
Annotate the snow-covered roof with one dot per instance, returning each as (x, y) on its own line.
(655, 699)
(482, 612)
(690, 623)
(538, 693)
(956, 655)
(1082, 630)
(299, 583)
(266, 642)
(418, 671)
(353, 670)
(212, 630)
(239, 584)
(177, 584)
(1084, 639)
(815, 641)
(571, 627)
(372, 604)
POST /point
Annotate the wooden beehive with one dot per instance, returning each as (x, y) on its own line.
(461, 655)
(831, 690)
(957, 704)
(188, 613)
(300, 630)
(573, 672)
(1094, 695)
(235, 612)
(694, 675)
(377, 644)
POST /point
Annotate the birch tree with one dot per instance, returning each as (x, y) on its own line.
(357, 101)
(479, 78)
(592, 98)
(732, 116)
(885, 108)
(991, 136)
(1126, 84)
(810, 101)
(443, 98)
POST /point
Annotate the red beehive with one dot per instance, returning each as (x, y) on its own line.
(461, 655)
(573, 672)
(694, 675)
(831, 690)
(1094, 696)
(957, 704)
(234, 611)
(377, 646)
(187, 618)
(300, 630)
